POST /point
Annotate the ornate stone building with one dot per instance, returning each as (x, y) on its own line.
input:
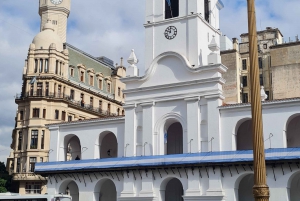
(237, 87)
(60, 83)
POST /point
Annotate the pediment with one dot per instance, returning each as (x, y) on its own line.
(168, 70)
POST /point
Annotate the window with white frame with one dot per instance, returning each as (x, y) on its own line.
(33, 187)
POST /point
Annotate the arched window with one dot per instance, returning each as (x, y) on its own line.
(70, 188)
(174, 190)
(108, 145)
(105, 190)
(171, 8)
(72, 147)
(293, 131)
(245, 188)
(295, 188)
(174, 139)
(244, 139)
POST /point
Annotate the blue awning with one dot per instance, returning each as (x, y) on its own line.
(225, 157)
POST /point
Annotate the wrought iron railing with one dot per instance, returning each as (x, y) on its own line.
(67, 98)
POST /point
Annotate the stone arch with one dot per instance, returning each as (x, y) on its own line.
(293, 131)
(161, 128)
(69, 187)
(243, 187)
(105, 190)
(107, 145)
(293, 187)
(171, 189)
(72, 147)
(243, 134)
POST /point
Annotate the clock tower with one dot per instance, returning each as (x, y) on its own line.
(187, 27)
(58, 12)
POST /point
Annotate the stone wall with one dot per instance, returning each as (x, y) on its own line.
(285, 61)
(231, 88)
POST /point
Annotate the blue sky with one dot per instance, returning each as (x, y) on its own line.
(108, 28)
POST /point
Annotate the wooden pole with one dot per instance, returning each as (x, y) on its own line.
(260, 189)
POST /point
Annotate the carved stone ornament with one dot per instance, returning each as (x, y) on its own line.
(261, 191)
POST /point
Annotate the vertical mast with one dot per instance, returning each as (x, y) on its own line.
(260, 189)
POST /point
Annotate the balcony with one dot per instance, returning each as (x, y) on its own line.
(68, 99)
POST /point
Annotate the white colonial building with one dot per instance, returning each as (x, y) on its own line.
(177, 141)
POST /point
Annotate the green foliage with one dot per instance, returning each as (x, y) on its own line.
(5, 179)
(2, 186)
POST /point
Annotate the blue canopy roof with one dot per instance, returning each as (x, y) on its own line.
(166, 160)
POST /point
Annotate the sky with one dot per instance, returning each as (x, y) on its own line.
(108, 28)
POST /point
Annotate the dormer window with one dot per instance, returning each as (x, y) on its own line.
(108, 87)
(171, 8)
(91, 80)
(81, 76)
(72, 72)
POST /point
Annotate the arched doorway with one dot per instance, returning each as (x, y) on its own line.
(105, 190)
(108, 145)
(244, 139)
(295, 188)
(245, 188)
(293, 131)
(174, 139)
(72, 148)
(174, 190)
(70, 188)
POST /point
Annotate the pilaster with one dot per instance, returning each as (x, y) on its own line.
(130, 131)
(193, 128)
(215, 184)
(148, 127)
(193, 184)
(147, 185)
(213, 121)
(128, 186)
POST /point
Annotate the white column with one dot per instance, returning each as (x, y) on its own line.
(128, 185)
(148, 128)
(56, 150)
(213, 121)
(193, 127)
(147, 185)
(130, 131)
(215, 184)
(193, 183)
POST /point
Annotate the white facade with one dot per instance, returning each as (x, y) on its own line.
(175, 108)
(205, 182)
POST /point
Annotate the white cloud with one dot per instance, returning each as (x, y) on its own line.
(107, 28)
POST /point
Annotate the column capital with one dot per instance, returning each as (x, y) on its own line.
(129, 106)
(192, 99)
(148, 104)
(215, 96)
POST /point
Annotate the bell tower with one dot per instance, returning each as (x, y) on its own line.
(183, 26)
(58, 12)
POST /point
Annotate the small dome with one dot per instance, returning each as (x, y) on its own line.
(45, 38)
(66, 52)
(32, 46)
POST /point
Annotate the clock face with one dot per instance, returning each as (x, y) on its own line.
(56, 2)
(170, 32)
